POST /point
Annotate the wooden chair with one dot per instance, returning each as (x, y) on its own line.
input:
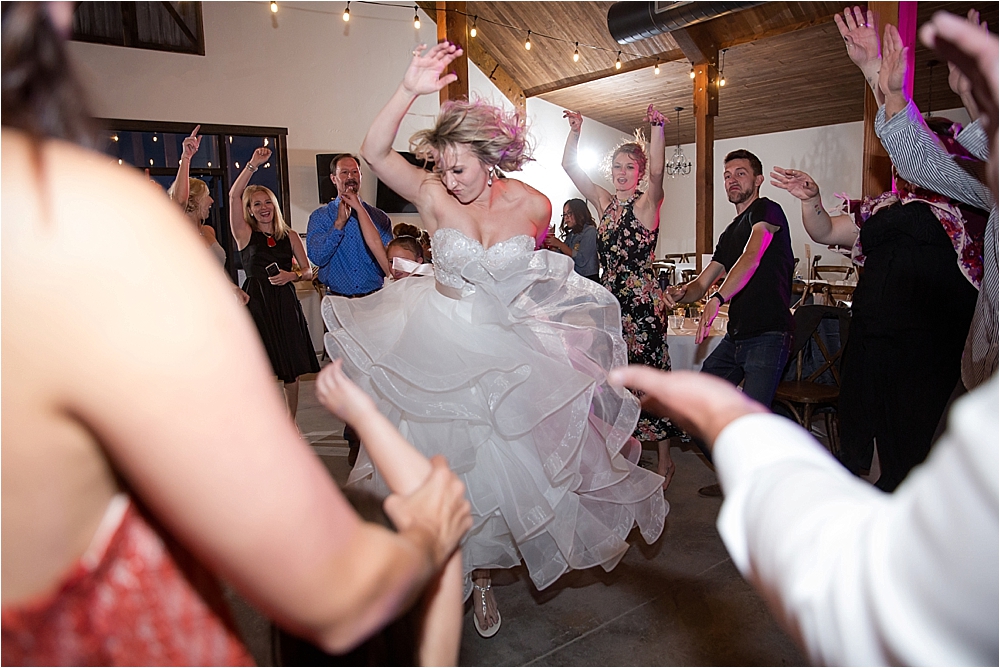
(838, 272)
(804, 395)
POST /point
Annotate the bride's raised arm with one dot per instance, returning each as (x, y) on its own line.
(422, 77)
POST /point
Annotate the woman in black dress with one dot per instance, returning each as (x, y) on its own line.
(265, 239)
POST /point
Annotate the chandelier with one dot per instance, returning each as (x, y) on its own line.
(678, 164)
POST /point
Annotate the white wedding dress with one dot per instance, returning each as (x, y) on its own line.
(499, 362)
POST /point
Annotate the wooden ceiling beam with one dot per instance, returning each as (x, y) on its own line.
(698, 44)
(627, 66)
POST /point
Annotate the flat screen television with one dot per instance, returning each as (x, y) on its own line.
(388, 199)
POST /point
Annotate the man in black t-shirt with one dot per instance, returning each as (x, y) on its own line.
(754, 253)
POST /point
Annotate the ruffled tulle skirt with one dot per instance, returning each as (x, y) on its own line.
(507, 378)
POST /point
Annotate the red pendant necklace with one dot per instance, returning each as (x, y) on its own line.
(271, 243)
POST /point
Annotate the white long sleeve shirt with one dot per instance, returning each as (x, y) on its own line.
(858, 576)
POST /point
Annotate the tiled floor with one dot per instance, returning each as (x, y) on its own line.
(678, 602)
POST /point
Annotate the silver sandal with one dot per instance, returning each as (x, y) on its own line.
(491, 631)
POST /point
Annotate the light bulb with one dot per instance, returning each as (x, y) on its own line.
(154, 138)
(347, 13)
(576, 52)
(722, 81)
(114, 137)
(618, 61)
(656, 68)
(416, 19)
(691, 73)
(527, 42)
(472, 31)
(274, 7)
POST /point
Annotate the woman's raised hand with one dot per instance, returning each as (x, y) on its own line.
(575, 119)
(423, 76)
(861, 36)
(797, 183)
(260, 156)
(890, 78)
(191, 144)
(654, 117)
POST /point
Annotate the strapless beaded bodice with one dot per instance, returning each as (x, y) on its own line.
(453, 251)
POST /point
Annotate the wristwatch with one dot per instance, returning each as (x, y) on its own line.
(722, 300)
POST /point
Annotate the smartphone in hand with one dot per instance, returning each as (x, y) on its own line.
(272, 269)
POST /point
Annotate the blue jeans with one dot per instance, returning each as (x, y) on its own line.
(758, 361)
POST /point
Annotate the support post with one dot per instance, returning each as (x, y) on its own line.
(453, 26)
(706, 108)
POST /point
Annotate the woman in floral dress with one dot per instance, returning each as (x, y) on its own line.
(626, 243)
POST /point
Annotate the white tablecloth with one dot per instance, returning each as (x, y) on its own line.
(684, 354)
(310, 301)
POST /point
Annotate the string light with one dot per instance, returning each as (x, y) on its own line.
(347, 12)
(474, 29)
(722, 67)
(691, 73)
(656, 68)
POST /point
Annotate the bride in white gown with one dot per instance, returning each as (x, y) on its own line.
(499, 361)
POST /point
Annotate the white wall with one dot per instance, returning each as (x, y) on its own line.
(831, 154)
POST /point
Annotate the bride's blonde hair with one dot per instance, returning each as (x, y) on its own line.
(497, 137)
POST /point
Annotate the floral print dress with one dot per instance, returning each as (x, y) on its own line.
(626, 250)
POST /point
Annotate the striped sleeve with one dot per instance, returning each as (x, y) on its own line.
(920, 159)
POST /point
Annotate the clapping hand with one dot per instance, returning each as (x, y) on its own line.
(575, 119)
(350, 199)
(797, 183)
(654, 117)
(423, 76)
(191, 144)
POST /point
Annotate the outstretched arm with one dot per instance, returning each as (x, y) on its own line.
(594, 193)
(422, 77)
(241, 229)
(647, 208)
(860, 34)
(737, 278)
(180, 189)
(404, 470)
(821, 227)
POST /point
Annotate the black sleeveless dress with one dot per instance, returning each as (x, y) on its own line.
(275, 309)
(626, 249)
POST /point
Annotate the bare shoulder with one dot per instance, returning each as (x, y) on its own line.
(534, 202)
